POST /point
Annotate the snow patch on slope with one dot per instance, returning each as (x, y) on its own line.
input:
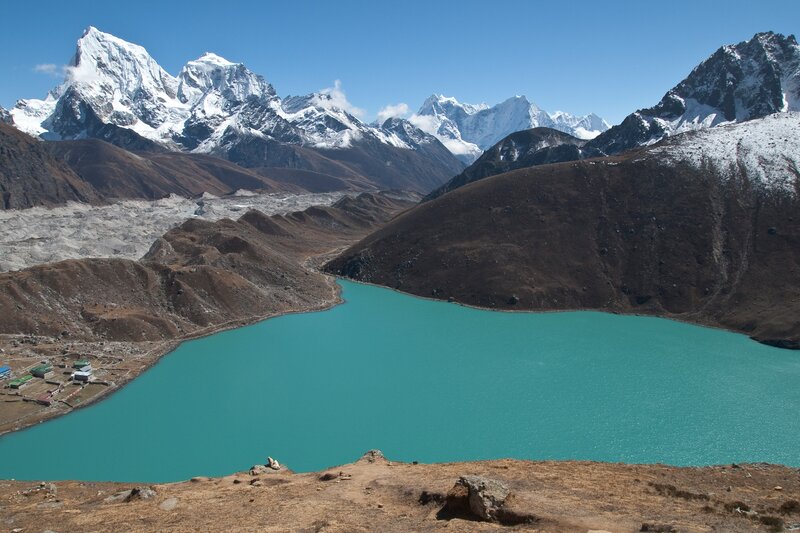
(767, 150)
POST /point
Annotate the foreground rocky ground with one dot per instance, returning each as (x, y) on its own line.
(375, 494)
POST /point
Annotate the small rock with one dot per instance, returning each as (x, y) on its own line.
(372, 456)
(328, 476)
(256, 483)
(141, 493)
(118, 497)
(169, 504)
(258, 469)
(50, 505)
(273, 464)
(778, 488)
(514, 300)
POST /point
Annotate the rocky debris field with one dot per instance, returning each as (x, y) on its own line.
(123, 230)
(377, 494)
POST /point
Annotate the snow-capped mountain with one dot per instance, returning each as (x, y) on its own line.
(467, 129)
(123, 85)
(738, 82)
(5, 116)
(116, 91)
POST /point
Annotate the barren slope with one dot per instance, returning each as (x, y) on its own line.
(378, 495)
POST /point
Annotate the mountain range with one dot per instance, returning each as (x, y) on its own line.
(115, 91)
(468, 129)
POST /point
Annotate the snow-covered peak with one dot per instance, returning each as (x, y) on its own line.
(468, 129)
(232, 82)
(108, 80)
(211, 58)
(404, 134)
(103, 62)
(441, 104)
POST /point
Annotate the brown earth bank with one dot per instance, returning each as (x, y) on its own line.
(200, 277)
(375, 494)
(623, 234)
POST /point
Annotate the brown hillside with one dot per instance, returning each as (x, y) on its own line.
(30, 175)
(624, 234)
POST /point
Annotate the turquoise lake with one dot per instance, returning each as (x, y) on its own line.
(432, 382)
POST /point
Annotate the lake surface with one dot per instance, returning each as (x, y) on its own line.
(432, 382)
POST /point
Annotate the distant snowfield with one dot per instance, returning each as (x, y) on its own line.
(125, 229)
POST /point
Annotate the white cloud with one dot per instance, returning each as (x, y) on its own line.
(51, 69)
(391, 111)
(427, 123)
(83, 73)
(334, 97)
(453, 142)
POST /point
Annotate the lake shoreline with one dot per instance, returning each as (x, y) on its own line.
(779, 343)
(155, 355)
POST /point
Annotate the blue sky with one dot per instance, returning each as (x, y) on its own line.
(580, 56)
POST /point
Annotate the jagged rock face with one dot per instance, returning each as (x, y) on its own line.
(739, 82)
(702, 227)
(5, 116)
(468, 129)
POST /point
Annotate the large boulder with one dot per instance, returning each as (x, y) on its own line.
(476, 497)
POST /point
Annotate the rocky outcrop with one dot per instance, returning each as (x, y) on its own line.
(5, 117)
